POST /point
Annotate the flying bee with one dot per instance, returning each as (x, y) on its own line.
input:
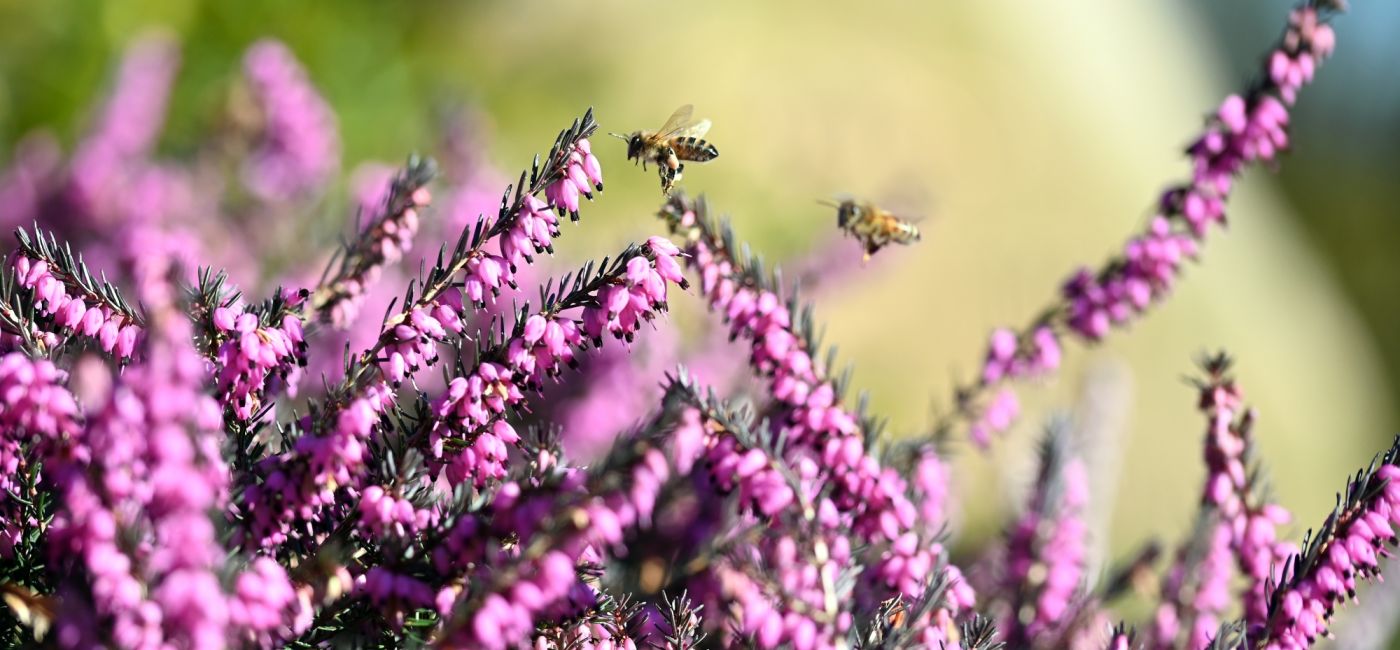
(680, 138)
(873, 226)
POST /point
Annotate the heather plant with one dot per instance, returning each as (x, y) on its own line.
(428, 437)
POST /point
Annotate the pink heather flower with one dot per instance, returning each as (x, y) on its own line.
(405, 593)
(1047, 549)
(635, 299)
(1359, 535)
(127, 126)
(298, 147)
(582, 174)
(389, 211)
(250, 355)
(74, 310)
(382, 514)
(38, 420)
(931, 482)
(1007, 358)
(1245, 129)
(262, 601)
(783, 617)
(34, 401)
(999, 415)
(411, 344)
(532, 231)
(1250, 519)
(470, 410)
(296, 485)
(157, 473)
(824, 443)
(760, 486)
(1151, 264)
(1306, 42)
(550, 581)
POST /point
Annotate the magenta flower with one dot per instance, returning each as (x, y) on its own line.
(127, 126)
(1348, 549)
(1246, 129)
(298, 147)
(76, 304)
(249, 355)
(154, 492)
(386, 236)
(1046, 549)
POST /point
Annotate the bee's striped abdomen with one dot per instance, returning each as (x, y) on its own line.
(692, 148)
(905, 232)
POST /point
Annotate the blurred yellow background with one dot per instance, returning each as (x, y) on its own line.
(1035, 136)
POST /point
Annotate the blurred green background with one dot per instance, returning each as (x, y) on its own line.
(1034, 135)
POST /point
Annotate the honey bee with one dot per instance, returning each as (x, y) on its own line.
(678, 139)
(873, 226)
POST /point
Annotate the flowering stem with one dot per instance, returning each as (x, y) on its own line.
(1358, 533)
(71, 271)
(384, 240)
(1247, 128)
(470, 243)
(1045, 556)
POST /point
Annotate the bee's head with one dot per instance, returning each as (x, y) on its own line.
(846, 213)
(634, 143)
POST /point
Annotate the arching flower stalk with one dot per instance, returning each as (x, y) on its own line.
(1248, 128)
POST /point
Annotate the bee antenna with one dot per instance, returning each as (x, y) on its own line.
(828, 203)
(619, 136)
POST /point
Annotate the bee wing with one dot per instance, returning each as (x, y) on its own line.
(696, 130)
(837, 200)
(678, 120)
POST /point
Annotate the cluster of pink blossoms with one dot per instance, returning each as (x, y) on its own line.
(335, 446)
(1349, 549)
(127, 127)
(37, 415)
(1245, 129)
(581, 176)
(382, 513)
(825, 448)
(397, 511)
(137, 517)
(262, 599)
(1047, 550)
(75, 310)
(1007, 358)
(1149, 267)
(250, 354)
(299, 484)
(817, 426)
(533, 228)
(470, 437)
(593, 515)
(298, 146)
(384, 240)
